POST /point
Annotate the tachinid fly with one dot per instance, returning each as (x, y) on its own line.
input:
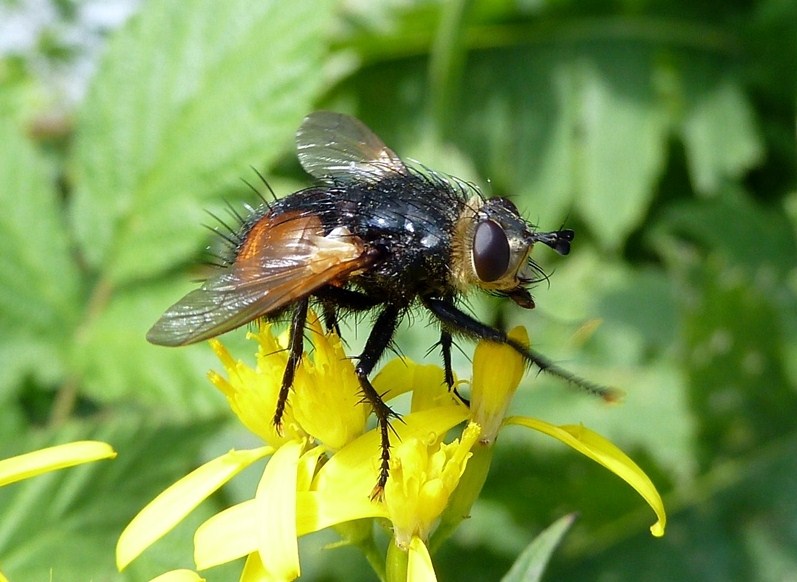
(372, 235)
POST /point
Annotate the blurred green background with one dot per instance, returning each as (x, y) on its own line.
(663, 132)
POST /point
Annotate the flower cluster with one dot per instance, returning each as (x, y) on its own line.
(324, 461)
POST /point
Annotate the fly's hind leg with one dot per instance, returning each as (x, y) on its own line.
(381, 334)
(295, 350)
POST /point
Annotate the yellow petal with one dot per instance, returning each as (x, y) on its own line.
(227, 536)
(254, 571)
(316, 510)
(352, 471)
(275, 504)
(497, 371)
(307, 466)
(179, 576)
(174, 503)
(601, 450)
(426, 381)
(419, 564)
(52, 459)
(394, 378)
(233, 533)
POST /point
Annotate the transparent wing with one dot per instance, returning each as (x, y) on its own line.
(334, 145)
(284, 259)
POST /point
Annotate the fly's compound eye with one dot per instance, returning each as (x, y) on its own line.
(490, 251)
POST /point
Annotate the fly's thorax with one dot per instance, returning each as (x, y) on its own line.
(491, 246)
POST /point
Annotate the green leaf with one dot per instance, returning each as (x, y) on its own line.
(579, 118)
(576, 126)
(718, 127)
(39, 285)
(622, 143)
(530, 565)
(118, 364)
(189, 95)
(734, 360)
(64, 525)
(746, 233)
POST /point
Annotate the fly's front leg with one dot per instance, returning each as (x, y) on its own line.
(446, 341)
(445, 346)
(457, 321)
(378, 340)
(295, 350)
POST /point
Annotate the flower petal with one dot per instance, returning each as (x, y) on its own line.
(316, 510)
(601, 450)
(275, 504)
(394, 378)
(254, 571)
(425, 381)
(175, 502)
(51, 459)
(497, 371)
(179, 576)
(227, 536)
(232, 533)
(419, 564)
(307, 466)
(352, 471)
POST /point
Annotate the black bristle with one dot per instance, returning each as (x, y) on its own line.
(265, 183)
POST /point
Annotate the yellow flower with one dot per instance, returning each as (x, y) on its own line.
(339, 492)
(323, 408)
(422, 478)
(322, 467)
(333, 411)
(497, 372)
(252, 392)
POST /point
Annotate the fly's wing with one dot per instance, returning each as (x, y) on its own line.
(283, 259)
(334, 145)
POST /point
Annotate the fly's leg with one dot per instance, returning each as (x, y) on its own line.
(331, 318)
(446, 342)
(295, 350)
(445, 346)
(378, 340)
(457, 321)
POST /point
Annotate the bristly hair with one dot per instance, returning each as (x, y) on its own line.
(463, 188)
(539, 271)
(229, 236)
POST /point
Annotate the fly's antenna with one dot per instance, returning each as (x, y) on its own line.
(558, 240)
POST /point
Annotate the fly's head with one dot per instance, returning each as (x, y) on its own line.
(493, 249)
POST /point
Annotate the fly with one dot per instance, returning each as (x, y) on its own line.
(371, 235)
